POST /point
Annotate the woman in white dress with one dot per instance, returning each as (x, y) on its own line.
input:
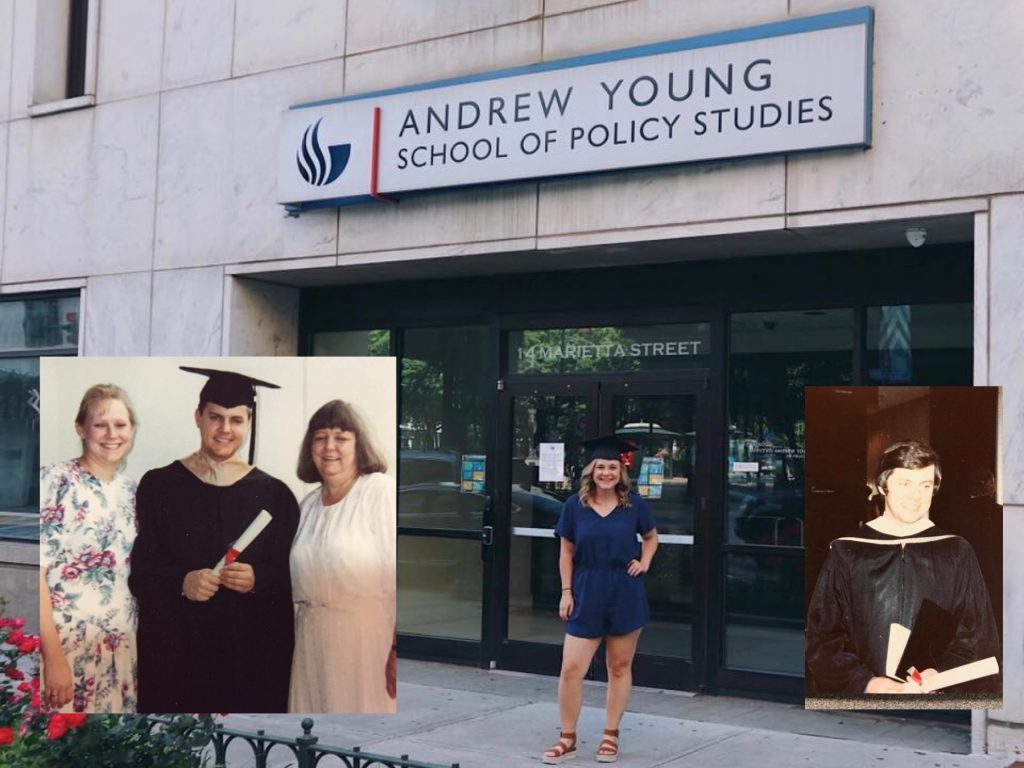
(343, 571)
(87, 616)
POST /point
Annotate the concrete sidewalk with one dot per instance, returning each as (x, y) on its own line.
(478, 719)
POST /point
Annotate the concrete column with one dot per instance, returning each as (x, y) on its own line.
(1004, 315)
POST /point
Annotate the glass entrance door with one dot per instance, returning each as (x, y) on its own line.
(546, 425)
(661, 420)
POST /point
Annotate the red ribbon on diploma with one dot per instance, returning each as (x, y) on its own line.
(915, 675)
(231, 556)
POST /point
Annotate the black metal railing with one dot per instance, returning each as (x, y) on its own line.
(306, 749)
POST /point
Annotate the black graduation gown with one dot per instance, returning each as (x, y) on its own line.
(233, 652)
(871, 580)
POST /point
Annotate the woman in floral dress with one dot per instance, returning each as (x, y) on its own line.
(87, 615)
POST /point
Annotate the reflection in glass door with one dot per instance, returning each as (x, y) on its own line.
(545, 429)
(540, 421)
(443, 503)
(663, 471)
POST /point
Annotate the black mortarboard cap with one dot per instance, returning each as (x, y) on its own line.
(607, 447)
(228, 390)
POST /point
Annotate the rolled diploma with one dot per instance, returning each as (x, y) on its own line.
(255, 528)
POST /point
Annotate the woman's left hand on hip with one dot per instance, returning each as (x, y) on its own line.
(635, 568)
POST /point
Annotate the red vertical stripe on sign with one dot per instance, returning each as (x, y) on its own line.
(375, 159)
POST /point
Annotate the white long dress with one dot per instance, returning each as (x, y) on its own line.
(343, 586)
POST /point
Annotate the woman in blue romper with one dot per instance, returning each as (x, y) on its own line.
(603, 596)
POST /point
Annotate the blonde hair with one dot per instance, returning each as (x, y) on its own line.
(95, 395)
(588, 488)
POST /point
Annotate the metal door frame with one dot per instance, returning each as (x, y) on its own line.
(599, 389)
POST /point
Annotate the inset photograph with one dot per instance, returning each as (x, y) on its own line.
(904, 548)
(218, 534)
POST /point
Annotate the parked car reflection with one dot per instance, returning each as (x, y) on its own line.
(772, 517)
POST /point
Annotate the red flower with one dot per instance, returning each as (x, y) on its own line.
(29, 645)
(56, 728)
(50, 514)
(6, 735)
(15, 637)
(25, 687)
(18, 623)
(15, 674)
(76, 720)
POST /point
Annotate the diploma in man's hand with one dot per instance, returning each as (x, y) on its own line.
(243, 541)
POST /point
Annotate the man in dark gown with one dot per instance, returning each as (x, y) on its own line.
(897, 569)
(214, 642)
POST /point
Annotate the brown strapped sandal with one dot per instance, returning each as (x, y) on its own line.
(564, 749)
(608, 749)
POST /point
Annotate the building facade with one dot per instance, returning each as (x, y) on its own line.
(685, 304)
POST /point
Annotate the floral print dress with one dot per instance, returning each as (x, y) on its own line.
(87, 528)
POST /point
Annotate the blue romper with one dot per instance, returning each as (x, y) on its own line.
(608, 601)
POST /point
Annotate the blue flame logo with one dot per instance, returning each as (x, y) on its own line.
(316, 168)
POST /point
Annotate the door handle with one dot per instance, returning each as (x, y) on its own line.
(487, 535)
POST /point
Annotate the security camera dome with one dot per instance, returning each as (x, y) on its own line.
(916, 236)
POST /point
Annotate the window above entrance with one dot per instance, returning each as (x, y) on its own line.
(609, 348)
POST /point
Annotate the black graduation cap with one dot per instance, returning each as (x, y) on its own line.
(228, 390)
(607, 447)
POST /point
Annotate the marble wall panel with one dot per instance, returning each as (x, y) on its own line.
(441, 219)
(1013, 627)
(948, 109)
(218, 171)
(471, 53)
(188, 312)
(1006, 341)
(198, 41)
(263, 319)
(23, 46)
(269, 33)
(80, 189)
(116, 314)
(657, 197)
(607, 27)
(553, 7)
(4, 132)
(6, 56)
(373, 24)
(130, 48)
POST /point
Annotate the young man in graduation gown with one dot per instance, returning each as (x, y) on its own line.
(899, 568)
(209, 642)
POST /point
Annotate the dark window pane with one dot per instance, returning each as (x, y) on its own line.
(773, 356)
(39, 325)
(764, 608)
(443, 394)
(439, 587)
(19, 425)
(28, 328)
(444, 389)
(920, 344)
(352, 343)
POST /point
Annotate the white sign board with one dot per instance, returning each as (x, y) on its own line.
(552, 462)
(790, 86)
